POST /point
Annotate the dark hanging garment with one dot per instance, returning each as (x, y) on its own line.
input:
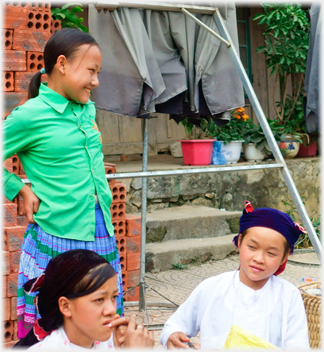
(312, 105)
(162, 61)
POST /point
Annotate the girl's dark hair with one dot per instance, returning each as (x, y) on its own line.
(63, 42)
(91, 282)
(287, 245)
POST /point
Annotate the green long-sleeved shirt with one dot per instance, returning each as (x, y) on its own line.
(59, 146)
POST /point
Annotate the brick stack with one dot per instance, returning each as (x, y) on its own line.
(14, 226)
(26, 28)
(127, 230)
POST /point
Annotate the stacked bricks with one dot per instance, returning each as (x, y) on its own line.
(14, 226)
(26, 28)
(127, 229)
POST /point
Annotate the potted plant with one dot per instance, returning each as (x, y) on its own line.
(198, 149)
(231, 135)
(286, 46)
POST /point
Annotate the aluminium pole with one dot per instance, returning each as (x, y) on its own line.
(142, 300)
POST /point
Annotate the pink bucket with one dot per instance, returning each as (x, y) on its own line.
(198, 151)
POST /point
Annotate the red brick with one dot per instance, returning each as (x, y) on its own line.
(133, 261)
(14, 236)
(118, 191)
(5, 263)
(14, 60)
(133, 244)
(40, 6)
(12, 285)
(132, 295)
(119, 228)
(7, 38)
(35, 61)
(133, 225)
(22, 221)
(133, 277)
(12, 100)
(123, 263)
(7, 164)
(7, 331)
(117, 211)
(6, 308)
(15, 330)
(39, 21)
(15, 164)
(9, 214)
(14, 262)
(4, 285)
(14, 15)
(13, 308)
(5, 200)
(7, 81)
(110, 168)
(9, 345)
(29, 40)
(22, 80)
(121, 245)
(55, 26)
(124, 280)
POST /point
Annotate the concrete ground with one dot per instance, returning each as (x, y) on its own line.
(176, 285)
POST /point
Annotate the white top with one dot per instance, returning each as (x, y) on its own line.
(58, 340)
(275, 313)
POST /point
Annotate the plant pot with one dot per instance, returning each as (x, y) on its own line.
(289, 147)
(231, 151)
(251, 153)
(197, 151)
(306, 151)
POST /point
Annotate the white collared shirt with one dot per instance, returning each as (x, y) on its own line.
(58, 340)
(275, 312)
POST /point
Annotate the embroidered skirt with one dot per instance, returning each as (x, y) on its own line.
(39, 247)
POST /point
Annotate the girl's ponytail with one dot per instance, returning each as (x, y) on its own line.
(34, 85)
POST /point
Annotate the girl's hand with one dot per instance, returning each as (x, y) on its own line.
(176, 340)
(119, 328)
(137, 336)
(31, 203)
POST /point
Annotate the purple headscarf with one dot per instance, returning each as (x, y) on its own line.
(272, 219)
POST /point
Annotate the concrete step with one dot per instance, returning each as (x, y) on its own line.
(161, 256)
(190, 222)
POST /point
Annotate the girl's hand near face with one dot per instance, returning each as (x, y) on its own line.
(137, 336)
(31, 203)
(119, 328)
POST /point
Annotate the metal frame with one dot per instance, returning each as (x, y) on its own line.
(280, 162)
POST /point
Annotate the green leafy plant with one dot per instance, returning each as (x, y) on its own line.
(304, 240)
(286, 37)
(179, 266)
(67, 15)
(235, 130)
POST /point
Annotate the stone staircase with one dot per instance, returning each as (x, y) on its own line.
(188, 234)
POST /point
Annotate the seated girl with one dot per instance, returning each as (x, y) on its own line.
(253, 297)
(77, 303)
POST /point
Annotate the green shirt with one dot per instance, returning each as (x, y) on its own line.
(59, 146)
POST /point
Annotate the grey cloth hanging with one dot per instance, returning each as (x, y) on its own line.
(312, 87)
(158, 58)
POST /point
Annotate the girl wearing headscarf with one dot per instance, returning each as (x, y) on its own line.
(253, 297)
(76, 298)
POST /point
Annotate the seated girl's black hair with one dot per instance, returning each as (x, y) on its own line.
(63, 42)
(91, 282)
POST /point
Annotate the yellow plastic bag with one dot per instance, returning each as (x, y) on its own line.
(239, 338)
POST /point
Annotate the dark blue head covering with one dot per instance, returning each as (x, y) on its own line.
(272, 219)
